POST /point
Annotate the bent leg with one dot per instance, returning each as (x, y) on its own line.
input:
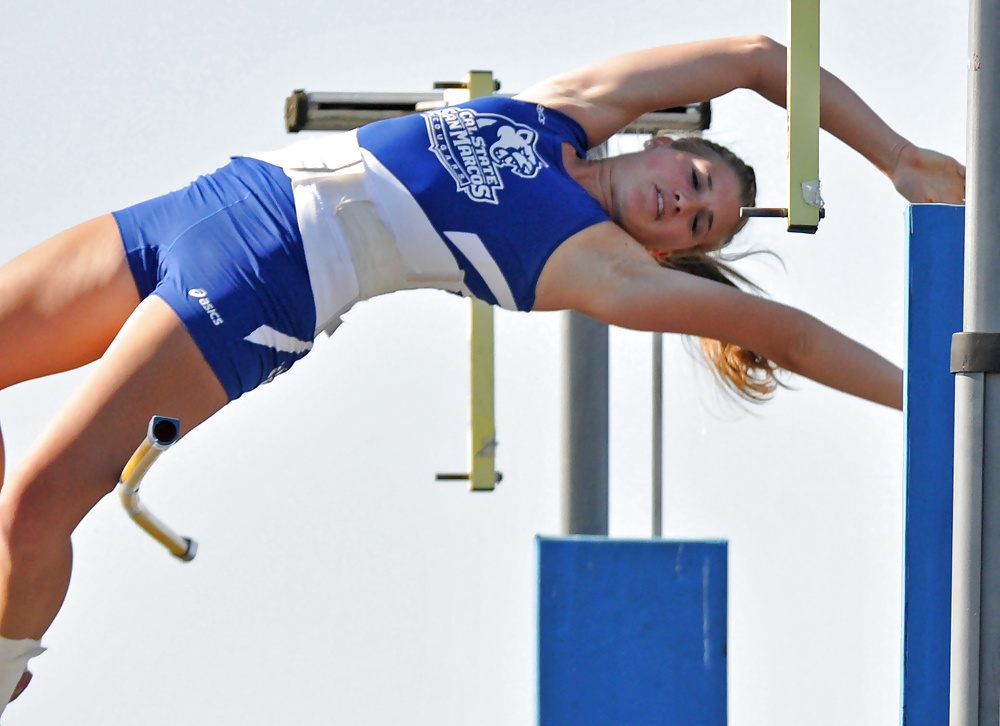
(63, 302)
(152, 367)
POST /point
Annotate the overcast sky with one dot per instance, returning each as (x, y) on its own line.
(336, 581)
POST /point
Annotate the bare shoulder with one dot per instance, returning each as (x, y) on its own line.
(562, 95)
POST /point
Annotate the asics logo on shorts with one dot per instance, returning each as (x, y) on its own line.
(202, 297)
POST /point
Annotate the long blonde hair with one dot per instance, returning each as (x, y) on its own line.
(740, 370)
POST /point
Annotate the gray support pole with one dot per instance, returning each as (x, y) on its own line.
(657, 434)
(585, 401)
(585, 469)
(975, 667)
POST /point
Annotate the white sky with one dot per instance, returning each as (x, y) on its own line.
(336, 581)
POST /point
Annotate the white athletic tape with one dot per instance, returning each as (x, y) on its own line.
(14, 657)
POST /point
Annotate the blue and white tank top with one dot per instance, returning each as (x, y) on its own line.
(489, 176)
(472, 198)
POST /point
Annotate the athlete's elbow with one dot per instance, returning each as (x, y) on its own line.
(761, 43)
(764, 60)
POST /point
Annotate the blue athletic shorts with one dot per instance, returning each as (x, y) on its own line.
(226, 254)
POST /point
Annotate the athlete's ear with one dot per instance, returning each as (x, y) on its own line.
(656, 141)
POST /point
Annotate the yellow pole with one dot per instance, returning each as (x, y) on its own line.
(482, 469)
(162, 433)
(804, 200)
(482, 465)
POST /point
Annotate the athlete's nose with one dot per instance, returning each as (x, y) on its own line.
(683, 203)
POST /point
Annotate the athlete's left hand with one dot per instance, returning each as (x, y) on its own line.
(923, 176)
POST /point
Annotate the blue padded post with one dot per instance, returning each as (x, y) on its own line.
(631, 633)
(933, 313)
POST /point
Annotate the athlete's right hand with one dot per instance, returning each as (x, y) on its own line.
(925, 176)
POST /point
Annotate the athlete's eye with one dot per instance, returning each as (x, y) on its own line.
(694, 179)
(694, 224)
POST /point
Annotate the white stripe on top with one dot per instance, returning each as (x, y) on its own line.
(475, 251)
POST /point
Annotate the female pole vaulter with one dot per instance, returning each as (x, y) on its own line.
(192, 299)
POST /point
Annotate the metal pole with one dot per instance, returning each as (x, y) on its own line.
(975, 667)
(585, 400)
(657, 434)
(585, 470)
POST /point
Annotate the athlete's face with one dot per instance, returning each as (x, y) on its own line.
(672, 201)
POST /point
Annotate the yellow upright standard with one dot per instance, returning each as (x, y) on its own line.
(804, 201)
(482, 466)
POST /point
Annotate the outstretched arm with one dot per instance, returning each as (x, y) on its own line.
(605, 96)
(604, 273)
(920, 175)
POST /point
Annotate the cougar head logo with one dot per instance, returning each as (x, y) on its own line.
(515, 149)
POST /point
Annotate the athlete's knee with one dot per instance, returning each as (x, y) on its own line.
(25, 534)
(38, 513)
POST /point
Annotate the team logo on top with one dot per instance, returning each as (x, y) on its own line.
(475, 147)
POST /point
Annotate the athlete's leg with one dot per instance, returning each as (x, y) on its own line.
(152, 367)
(63, 302)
